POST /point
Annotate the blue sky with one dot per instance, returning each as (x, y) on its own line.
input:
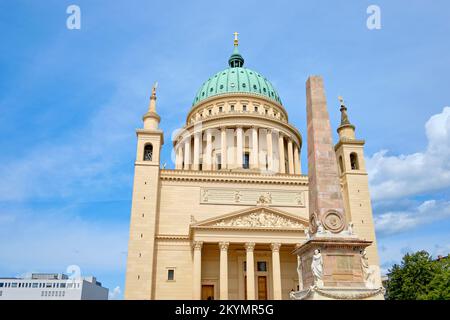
(70, 101)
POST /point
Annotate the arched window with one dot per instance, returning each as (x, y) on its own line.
(354, 161)
(148, 152)
(341, 164)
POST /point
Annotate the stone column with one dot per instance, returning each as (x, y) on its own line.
(179, 160)
(276, 270)
(240, 149)
(197, 136)
(208, 155)
(223, 270)
(187, 153)
(249, 247)
(197, 270)
(290, 157)
(255, 157)
(269, 150)
(297, 165)
(223, 145)
(281, 152)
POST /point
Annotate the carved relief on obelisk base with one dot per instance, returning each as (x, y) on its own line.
(325, 197)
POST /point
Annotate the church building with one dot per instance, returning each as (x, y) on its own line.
(224, 223)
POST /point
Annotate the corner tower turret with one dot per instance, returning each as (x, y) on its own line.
(355, 183)
(144, 210)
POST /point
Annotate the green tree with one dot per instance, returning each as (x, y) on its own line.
(411, 280)
(439, 287)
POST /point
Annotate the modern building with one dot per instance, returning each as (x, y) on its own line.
(224, 223)
(52, 286)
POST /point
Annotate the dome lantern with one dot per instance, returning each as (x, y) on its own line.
(236, 60)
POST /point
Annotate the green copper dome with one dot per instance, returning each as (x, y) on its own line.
(236, 79)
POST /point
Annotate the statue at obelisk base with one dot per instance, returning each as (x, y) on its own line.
(332, 261)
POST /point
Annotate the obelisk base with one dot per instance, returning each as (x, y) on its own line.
(332, 266)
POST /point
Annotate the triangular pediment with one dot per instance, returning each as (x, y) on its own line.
(261, 217)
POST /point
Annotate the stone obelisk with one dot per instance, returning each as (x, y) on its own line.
(326, 206)
(332, 262)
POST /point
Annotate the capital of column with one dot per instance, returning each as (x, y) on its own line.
(197, 245)
(275, 246)
(224, 246)
(249, 246)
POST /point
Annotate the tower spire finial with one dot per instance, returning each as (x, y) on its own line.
(155, 85)
(236, 40)
(152, 106)
(343, 109)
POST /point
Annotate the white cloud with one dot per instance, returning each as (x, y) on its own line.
(115, 293)
(394, 177)
(400, 221)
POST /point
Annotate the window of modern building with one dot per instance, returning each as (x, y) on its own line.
(1, 284)
(35, 285)
(148, 152)
(13, 285)
(170, 274)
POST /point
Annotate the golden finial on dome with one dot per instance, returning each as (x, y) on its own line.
(236, 41)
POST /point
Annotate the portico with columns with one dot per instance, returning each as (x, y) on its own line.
(242, 251)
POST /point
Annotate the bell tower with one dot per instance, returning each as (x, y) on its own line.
(144, 208)
(355, 184)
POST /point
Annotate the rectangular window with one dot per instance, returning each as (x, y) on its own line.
(219, 162)
(244, 108)
(62, 285)
(13, 285)
(1, 284)
(246, 160)
(220, 109)
(261, 266)
(170, 274)
(210, 112)
(48, 285)
(35, 285)
(256, 109)
(232, 107)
